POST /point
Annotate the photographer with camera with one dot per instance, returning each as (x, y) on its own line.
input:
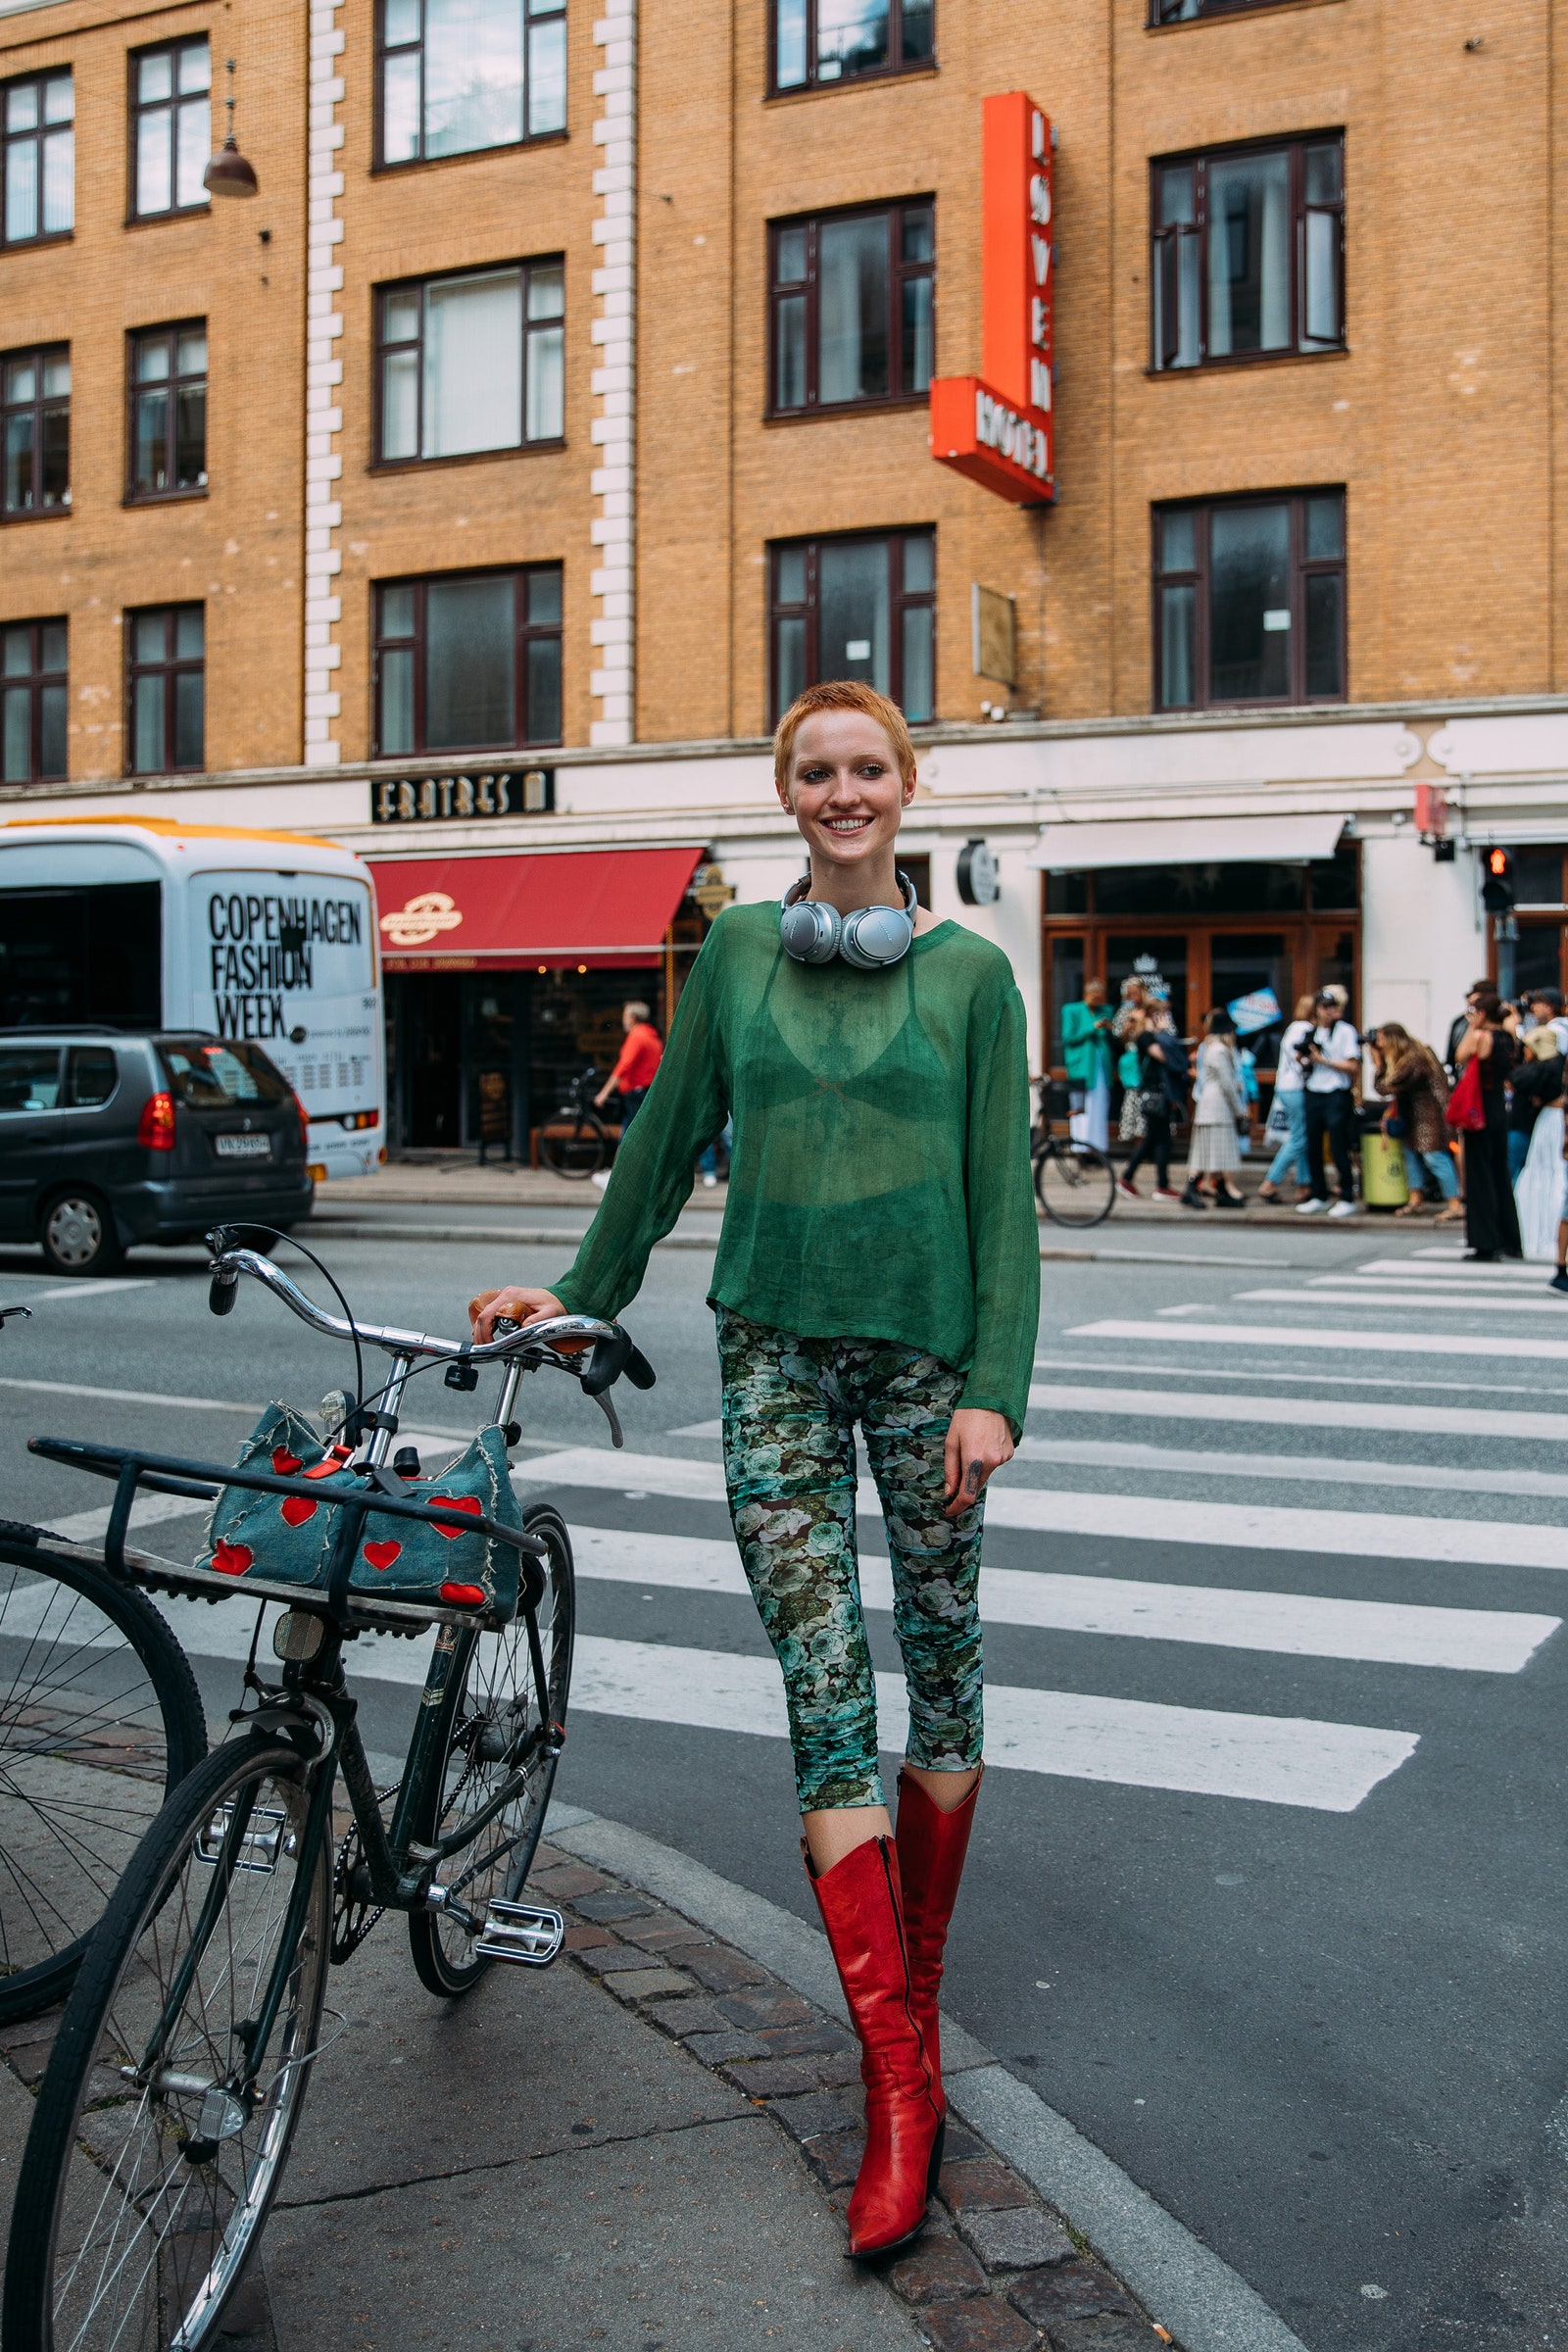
(1329, 1056)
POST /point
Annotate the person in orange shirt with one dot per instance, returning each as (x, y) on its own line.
(633, 1073)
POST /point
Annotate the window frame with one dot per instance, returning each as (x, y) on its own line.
(811, 84)
(41, 131)
(899, 601)
(39, 353)
(523, 633)
(379, 347)
(380, 160)
(899, 271)
(1301, 567)
(135, 337)
(1164, 244)
(35, 681)
(174, 664)
(1206, 9)
(136, 106)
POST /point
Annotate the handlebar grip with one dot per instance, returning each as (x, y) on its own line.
(223, 1290)
(638, 1371)
(606, 1363)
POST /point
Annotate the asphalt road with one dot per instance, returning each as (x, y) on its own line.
(1267, 1891)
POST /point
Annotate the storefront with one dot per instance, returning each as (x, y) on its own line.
(506, 976)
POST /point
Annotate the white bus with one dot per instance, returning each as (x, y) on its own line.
(142, 922)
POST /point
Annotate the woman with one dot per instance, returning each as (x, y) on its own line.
(1218, 1103)
(1536, 1081)
(1491, 1225)
(879, 1263)
(1124, 1028)
(1538, 1194)
(1412, 1081)
(1161, 1085)
(1087, 1051)
(1289, 1093)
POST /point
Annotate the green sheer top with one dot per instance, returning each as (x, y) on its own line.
(879, 1173)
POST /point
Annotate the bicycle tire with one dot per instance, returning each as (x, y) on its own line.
(101, 2238)
(100, 1721)
(1074, 1184)
(578, 1155)
(494, 1681)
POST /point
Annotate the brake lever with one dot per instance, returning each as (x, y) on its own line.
(5, 1314)
(602, 1398)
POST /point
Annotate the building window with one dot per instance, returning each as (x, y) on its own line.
(852, 307)
(1249, 253)
(1181, 12)
(857, 607)
(171, 127)
(460, 74)
(820, 41)
(1249, 602)
(37, 191)
(35, 406)
(166, 673)
(32, 691)
(168, 411)
(468, 663)
(472, 363)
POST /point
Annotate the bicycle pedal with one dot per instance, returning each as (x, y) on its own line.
(530, 1934)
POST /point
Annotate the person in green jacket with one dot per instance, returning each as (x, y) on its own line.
(1088, 1050)
(880, 1265)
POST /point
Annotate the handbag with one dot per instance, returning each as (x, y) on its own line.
(1465, 1110)
(288, 1539)
(1278, 1121)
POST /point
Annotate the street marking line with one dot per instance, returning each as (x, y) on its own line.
(71, 1387)
(699, 1429)
(1412, 1269)
(1268, 1759)
(1298, 1377)
(1290, 1624)
(82, 1290)
(1328, 1470)
(1278, 1337)
(1308, 1412)
(1491, 1303)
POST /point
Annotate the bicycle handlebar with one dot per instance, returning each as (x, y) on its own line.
(228, 1268)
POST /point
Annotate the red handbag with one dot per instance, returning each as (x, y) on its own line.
(1464, 1109)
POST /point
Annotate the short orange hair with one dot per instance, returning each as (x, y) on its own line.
(843, 694)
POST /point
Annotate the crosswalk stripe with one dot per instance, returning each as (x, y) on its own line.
(1473, 1303)
(1303, 1412)
(1279, 1760)
(1278, 1337)
(1414, 1269)
(1291, 1624)
(1143, 1518)
(1111, 1454)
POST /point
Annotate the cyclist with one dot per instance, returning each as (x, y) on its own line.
(879, 1263)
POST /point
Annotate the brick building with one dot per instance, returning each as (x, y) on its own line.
(563, 400)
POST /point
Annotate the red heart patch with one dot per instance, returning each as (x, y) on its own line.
(382, 1555)
(457, 1502)
(286, 1463)
(467, 1597)
(231, 1559)
(297, 1508)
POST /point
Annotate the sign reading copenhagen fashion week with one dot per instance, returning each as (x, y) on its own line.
(420, 799)
(997, 428)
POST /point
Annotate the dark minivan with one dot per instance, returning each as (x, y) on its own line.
(108, 1139)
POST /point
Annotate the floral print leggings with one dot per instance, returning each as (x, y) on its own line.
(790, 1405)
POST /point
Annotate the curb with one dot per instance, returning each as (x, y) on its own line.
(1205, 2305)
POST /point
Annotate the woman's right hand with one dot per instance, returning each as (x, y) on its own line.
(518, 1306)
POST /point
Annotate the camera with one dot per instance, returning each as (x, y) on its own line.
(1306, 1054)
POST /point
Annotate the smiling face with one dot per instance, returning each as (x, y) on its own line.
(844, 791)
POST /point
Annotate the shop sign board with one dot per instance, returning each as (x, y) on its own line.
(423, 800)
(997, 428)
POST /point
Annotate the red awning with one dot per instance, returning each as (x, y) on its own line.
(498, 914)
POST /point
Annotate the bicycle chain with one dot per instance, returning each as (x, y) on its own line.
(353, 1917)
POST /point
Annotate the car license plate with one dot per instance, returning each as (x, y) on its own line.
(244, 1147)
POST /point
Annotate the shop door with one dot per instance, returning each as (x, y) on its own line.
(1149, 956)
(495, 1029)
(1244, 964)
(432, 1061)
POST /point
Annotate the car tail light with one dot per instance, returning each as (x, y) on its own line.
(305, 1124)
(155, 1130)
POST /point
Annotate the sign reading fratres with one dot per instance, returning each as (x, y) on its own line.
(427, 800)
(998, 428)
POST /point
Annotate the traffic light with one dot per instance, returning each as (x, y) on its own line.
(1497, 889)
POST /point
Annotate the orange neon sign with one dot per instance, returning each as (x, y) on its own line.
(998, 428)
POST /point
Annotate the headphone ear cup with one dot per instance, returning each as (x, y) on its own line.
(876, 936)
(811, 931)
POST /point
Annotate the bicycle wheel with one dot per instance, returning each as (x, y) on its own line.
(578, 1147)
(1074, 1184)
(100, 1719)
(492, 1717)
(150, 2166)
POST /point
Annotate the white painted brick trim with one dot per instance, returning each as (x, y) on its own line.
(613, 336)
(324, 419)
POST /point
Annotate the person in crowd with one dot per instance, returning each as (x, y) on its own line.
(1290, 1091)
(1492, 1223)
(1560, 1279)
(1330, 1057)
(1088, 1051)
(633, 1073)
(879, 1264)
(1413, 1083)
(1219, 1102)
(1546, 1012)
(1161, 1090)
(1538, 1188)
(1457, 1027)
(1124, 1028)
(1537, 1080)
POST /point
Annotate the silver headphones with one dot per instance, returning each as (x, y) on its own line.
(870, 938)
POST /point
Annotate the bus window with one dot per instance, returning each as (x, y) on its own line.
(90, 954)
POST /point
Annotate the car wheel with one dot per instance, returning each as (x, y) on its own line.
(78, 1237)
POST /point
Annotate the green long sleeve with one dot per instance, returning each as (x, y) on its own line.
(1004, 1235)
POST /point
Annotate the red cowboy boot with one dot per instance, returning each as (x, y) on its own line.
(931, 1845)
(859, 1902)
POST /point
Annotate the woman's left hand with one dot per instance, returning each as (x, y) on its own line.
(978, 1443)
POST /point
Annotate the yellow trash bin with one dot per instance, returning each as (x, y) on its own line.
(1384, 1183)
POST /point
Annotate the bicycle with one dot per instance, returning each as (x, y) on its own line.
(100, 1719)
(575, 1142)
(164, 2120)
(1074, 1184)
